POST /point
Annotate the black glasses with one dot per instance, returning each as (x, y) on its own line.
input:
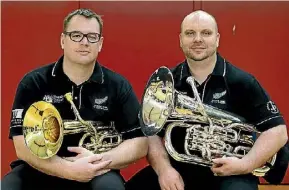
(77, 36)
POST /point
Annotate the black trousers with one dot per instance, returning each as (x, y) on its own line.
(195, 178)
(24, 177)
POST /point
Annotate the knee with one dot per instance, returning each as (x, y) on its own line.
(11, 182)
(109, 181)
(247, 182)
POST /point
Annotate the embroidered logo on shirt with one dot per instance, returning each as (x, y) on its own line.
(99, 101)
(17, 113)
(218, 96)
(53, 98)
(16, 117)
(272, 107)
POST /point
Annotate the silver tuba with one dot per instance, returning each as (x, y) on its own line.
(210, 132)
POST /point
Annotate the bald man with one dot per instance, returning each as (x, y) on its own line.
(222, 85)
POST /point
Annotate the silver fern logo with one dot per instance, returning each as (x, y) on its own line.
(98, 103)
(217, 98)
(100, 100)
(219, 95)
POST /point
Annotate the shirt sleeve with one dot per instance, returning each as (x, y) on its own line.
(260, 109)
(24, 97)
(127, 115)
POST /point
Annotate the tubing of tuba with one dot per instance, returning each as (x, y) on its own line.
(44, 130)
(210, 132)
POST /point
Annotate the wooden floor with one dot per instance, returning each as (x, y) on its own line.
(274, 187)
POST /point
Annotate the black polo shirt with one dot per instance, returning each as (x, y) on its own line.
(106, 96)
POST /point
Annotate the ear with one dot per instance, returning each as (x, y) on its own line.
(62, 41)
(100, 44)
(180, 38)
(218, 39)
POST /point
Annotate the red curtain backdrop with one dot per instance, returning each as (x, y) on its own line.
(140, 37)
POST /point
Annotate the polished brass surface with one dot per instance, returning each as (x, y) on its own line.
(44, 130)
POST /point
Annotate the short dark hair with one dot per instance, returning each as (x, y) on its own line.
(87, 13)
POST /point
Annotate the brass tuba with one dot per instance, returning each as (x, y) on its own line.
(44, 130)
(210, 132)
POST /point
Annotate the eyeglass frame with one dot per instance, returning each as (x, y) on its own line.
(84, 35)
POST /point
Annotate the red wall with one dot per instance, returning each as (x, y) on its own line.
(141, 36)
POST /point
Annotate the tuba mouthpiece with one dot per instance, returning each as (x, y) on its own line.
(68, 96)
(190, 80)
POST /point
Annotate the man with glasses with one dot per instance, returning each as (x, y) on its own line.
(99, 94)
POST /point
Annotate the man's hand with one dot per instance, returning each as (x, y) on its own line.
(98, 162)
(227, 166)
(81, 153)
(86, 168)
(170, 179)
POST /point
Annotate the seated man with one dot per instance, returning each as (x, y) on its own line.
(98, 94)
(222, 85)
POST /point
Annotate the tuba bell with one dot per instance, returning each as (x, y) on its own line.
(44, 130)
(209, 132)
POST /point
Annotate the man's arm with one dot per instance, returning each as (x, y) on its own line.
(265, 115)
(54, 166)
(82, 170)
(26, 94)
(134, 145)
(259, 110)
(268, 143)
(127, 152)
(158, 158)
(157, 155)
